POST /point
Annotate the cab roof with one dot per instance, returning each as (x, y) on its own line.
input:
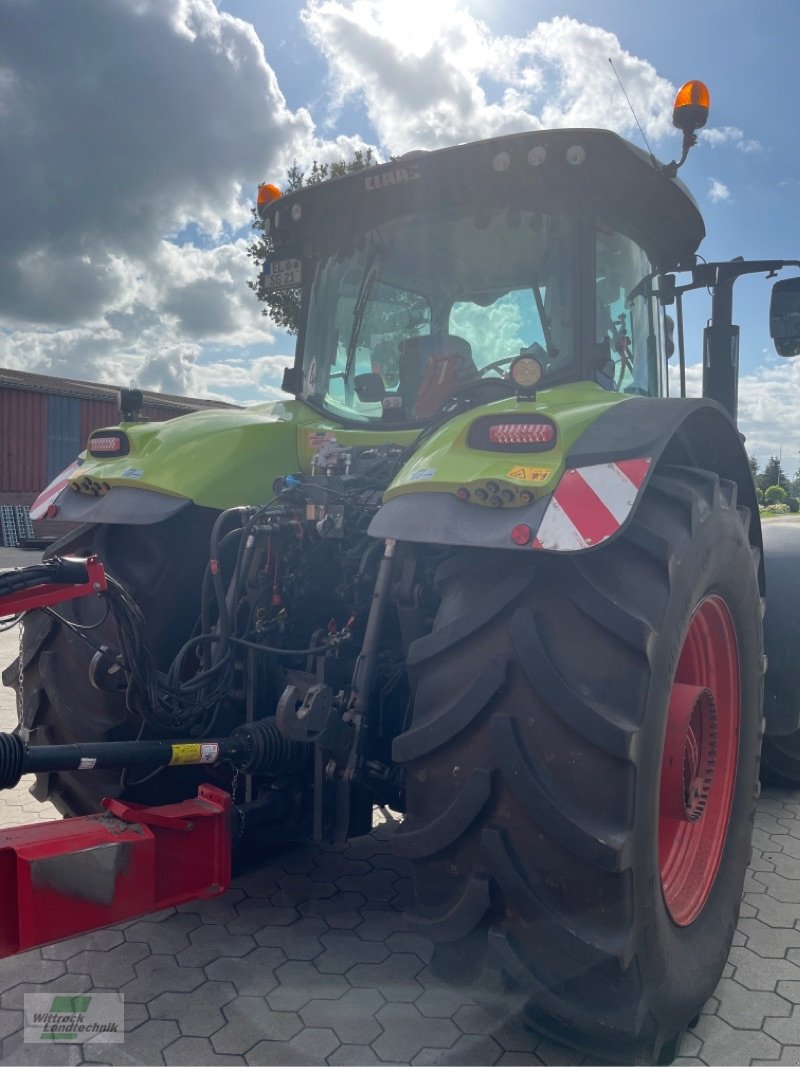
(595, 173)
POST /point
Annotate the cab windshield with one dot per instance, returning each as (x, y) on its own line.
(426, 303)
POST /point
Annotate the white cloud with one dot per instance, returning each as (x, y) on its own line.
(169, 370)
(134, 133)
(188, 296)
(716, 136)
(694, 378)
(204, 293)
(122, 123)
(254, 379)
(769, 400)
(717, 191)
(457, 81)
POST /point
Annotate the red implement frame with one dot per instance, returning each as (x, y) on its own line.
(47, 593)
(59, 879)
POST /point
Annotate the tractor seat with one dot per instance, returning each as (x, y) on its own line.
(430, 368)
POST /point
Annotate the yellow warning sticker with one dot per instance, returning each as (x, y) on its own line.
(185, 754)
(529, 474)
(207, 752)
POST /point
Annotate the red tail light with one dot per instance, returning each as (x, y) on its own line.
(109, 443)
(512, 433)
(522, 433)
(106, 444)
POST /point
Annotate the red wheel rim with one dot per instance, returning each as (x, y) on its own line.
(698, 769)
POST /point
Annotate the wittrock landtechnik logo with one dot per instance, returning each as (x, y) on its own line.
(98, 1018)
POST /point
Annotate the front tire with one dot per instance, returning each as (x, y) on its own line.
(574, 799)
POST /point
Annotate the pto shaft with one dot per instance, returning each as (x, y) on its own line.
(255, 748)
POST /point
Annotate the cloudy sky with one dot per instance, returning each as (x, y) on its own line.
(134, 134)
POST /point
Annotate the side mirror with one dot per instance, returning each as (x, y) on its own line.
(369, 388)
(666, 289)
(291, 380)
(669, 335)
(784, 316)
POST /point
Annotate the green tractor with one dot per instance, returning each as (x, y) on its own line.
(477, 567)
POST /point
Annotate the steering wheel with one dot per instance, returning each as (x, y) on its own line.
(497, 363)
(535, 350)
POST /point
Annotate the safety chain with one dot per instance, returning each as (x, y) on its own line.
(21, 675)
(234, 791)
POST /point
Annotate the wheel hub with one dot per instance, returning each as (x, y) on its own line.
(698, 767)
(690, 752)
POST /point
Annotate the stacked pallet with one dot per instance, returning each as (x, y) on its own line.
(15, 524)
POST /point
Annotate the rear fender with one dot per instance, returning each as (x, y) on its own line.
(213, 459)
(605, 473)
(675, 431)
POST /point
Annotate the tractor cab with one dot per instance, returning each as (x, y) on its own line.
(425, 278)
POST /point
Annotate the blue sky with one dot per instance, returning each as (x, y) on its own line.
(135, 133)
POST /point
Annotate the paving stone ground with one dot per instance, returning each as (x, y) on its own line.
(308, 960)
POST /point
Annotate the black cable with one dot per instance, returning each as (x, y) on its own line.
(275, 650)
(79, 625)
(246, 533)
(206, 588)
(167, 702)
(223, 618)
(78, 632)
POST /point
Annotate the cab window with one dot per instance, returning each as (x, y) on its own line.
(628, 325)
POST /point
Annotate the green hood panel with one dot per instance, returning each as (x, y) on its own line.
(447, 463)
(214, 458)
(219, 459)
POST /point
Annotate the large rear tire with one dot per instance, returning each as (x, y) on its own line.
(574, 798)
(780, 753)
(161, 566)
(780, 761)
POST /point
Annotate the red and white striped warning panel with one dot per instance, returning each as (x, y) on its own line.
(53, 490)
(590, 504)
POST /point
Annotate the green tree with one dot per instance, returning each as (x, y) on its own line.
(775, 494)
(753, 465)
(772, 474)
(283, 306)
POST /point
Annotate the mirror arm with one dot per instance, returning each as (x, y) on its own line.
(681, 348)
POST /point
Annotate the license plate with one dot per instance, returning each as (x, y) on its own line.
(282, 274)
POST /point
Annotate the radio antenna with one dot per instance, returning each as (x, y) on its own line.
(635, 119)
